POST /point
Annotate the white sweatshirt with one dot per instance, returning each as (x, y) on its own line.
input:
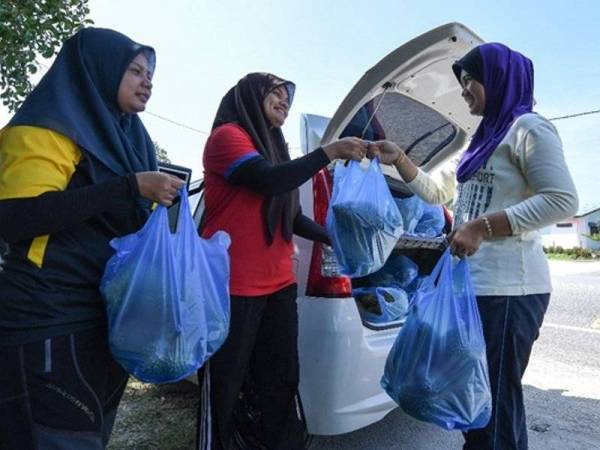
(528, 178)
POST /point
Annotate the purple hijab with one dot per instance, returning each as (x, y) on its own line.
(507, 77)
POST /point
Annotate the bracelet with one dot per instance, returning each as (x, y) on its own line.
(400, 158)
(488, 226)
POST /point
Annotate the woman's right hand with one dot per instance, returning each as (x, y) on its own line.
(346, 148)
(388, 152)
(158, 187)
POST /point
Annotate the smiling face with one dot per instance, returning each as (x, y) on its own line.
(136, 86)
(276, 106)
(473, 93)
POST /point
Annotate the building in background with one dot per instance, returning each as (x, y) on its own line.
(575, 232)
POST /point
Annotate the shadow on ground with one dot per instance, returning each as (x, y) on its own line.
(152, 417)
(555, 422)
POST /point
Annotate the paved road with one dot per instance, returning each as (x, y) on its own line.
(562, 383)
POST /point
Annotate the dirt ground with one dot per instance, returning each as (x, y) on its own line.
(156, 417)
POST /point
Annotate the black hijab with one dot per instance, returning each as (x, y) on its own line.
(78, 98)
(243, 105)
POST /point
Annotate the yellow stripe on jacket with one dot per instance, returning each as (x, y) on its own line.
(35, 160)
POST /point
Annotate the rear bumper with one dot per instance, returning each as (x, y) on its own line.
(341, 363)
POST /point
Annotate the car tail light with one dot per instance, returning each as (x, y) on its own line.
(449, 219)
(323, 281)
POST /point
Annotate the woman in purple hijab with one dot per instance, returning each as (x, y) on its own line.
(511, 181)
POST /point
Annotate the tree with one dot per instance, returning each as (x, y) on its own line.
(29, 28)
(161, 154)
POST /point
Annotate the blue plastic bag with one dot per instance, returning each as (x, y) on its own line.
(420, 218)
(411, 210)
(437, 368)
(363, 221)
(381, 304)
(432, 221)
(167, 297)
(398, 271)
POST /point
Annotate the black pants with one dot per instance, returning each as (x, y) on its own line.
(511, 324)
(59, 393)
(262, 343)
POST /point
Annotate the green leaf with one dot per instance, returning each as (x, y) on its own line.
(29, 28)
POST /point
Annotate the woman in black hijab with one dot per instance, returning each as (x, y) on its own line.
(251, 191)
(77, 168)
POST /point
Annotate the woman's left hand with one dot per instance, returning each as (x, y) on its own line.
(466, 239)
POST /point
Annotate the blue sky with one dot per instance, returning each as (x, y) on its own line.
(204, 47)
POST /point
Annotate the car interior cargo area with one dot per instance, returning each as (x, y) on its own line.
(383, 297)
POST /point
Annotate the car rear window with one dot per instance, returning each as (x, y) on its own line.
(419, 130)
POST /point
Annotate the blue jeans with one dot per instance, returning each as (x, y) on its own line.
(511, 324)
(59, 393)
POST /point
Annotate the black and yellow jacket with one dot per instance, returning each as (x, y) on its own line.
(58, 224)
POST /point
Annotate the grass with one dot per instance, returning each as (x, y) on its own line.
(156, 417)
(560, 257)
(567, 257)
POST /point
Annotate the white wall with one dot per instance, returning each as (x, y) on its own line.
(574, 236)
(564, 240)
(557, 236)
(584, 229)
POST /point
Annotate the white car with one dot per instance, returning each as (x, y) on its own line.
(411, 97)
